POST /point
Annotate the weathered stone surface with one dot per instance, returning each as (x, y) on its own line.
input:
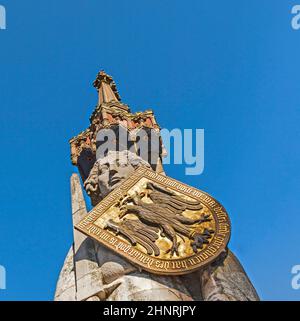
(227, 281)
(81, 262)
(125, 282)
(66, 287)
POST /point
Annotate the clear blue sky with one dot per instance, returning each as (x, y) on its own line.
(230, 67)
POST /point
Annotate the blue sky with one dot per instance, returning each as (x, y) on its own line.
(230, 67)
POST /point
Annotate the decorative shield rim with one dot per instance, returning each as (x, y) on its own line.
(161, 266)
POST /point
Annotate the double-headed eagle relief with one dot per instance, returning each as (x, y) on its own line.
(160, 212)
(160, 224)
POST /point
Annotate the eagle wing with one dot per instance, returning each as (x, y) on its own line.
(163, 214)
(137, 233)
(171, 201)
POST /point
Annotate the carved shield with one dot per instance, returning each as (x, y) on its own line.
(159, 224)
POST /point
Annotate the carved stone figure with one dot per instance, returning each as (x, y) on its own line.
(93, 272)
(109, 172)
(119, 280)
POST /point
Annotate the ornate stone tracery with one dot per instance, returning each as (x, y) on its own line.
(109, 112)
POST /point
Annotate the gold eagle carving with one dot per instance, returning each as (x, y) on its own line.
(159, 212)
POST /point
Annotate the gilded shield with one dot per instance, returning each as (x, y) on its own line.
(159, 224)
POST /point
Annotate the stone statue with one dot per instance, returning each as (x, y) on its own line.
(93, 272)
(224, 280)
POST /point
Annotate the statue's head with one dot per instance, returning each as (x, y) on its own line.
(111, 171)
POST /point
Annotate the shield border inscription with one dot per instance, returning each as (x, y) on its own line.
(147, 262)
